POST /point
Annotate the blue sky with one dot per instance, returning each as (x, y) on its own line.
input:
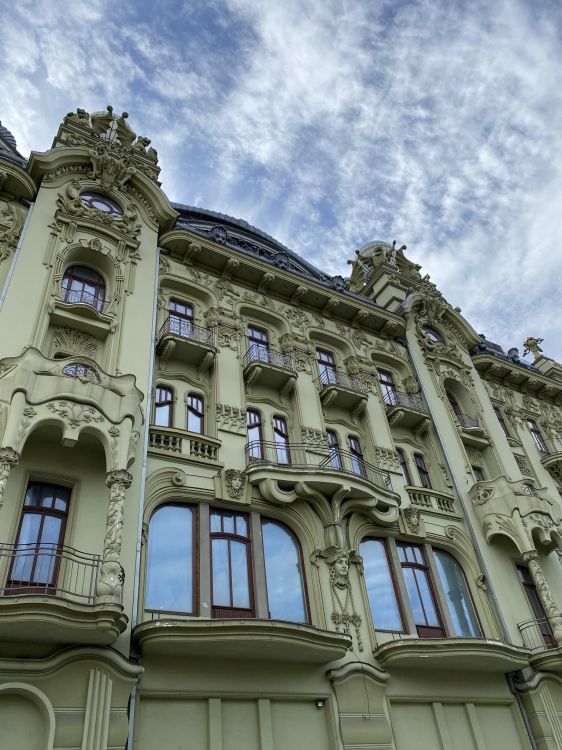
(328, 124)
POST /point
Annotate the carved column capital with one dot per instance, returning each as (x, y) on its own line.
(532, 556)
(8, 458)
(119, 477)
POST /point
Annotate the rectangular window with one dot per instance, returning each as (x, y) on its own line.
(326, 366)
(230, 565)
(37, 554)
(537, 436)
(423, 473)
(258, 341)
(501, 420)
(420, 591)
(536, 606)
(388, 387)
(195, 413)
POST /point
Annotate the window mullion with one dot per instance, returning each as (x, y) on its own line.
(441, 602)
(259, 584)
(204, 561)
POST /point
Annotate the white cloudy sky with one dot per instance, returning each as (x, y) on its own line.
(330, 123)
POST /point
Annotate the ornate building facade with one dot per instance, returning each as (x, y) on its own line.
(247, 505)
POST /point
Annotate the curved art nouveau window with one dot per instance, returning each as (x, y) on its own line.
(461, 608)
(432, 334)
(78, 370)
(100, 202)
(83, 285)
(169, 568)
(283, 572)
(380, 586)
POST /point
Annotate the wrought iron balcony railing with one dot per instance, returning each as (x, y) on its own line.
(537, 634)
(185, 329)
(470, 423)
(81, 296)
(268, 357)
(50, 570)
(304, 456)
(329, 378)
(407, 400)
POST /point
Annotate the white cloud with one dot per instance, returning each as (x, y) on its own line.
(331, 123)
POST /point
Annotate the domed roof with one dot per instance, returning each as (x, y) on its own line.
(8, 147)
(7, 136)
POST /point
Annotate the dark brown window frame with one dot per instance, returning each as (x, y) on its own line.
(394, 580)
(168, 403)
(537, 435)
(253, 425)
(225, 611)
(197, 413)
(529, 586)
(281, 430)
(50, 588)
(357, 453)
(404, 468)
(501, 420)
(388, 387)
(419, 461)
(74, 273)
(429, 631)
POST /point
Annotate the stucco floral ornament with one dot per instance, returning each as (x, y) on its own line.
(344, 615)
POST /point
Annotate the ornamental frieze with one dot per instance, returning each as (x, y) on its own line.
(11, 224)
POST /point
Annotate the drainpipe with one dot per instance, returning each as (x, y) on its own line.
(16, 254)
(144, 468)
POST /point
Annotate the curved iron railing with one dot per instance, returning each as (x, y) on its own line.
(329, 378)
(305, 456)
(471, 423)
(81, 296)
(408, 400)
(185, 329)
(268, 357)
(50, 570)
(537, 634)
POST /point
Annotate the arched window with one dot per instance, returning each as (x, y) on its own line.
(283, 572)
(417, 577)
(170, 560)
(388, 387)
(255, 433)
(404, 466)
(195, 413)
(432, 334)
(326, 366)
(281, 437)
(357, 460)
(78, 370)
(335, 456)
(381, 588)
(100, 202)
(164, 406)
(461, 608)
(258, 344)
(454, 405)
(83, 285)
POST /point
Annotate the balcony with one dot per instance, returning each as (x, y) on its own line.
(270, 368)
(546, 654)
(456, 654)
(246, 640)
(196, 448)
(49, 596)
(83, 310)
(340, 389)
(551, 456)
(471, 431)
(405, 409)
(290, 470)
(182, 339)
(432, 500)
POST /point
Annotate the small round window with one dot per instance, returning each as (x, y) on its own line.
(432, 334)
(101, 203)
